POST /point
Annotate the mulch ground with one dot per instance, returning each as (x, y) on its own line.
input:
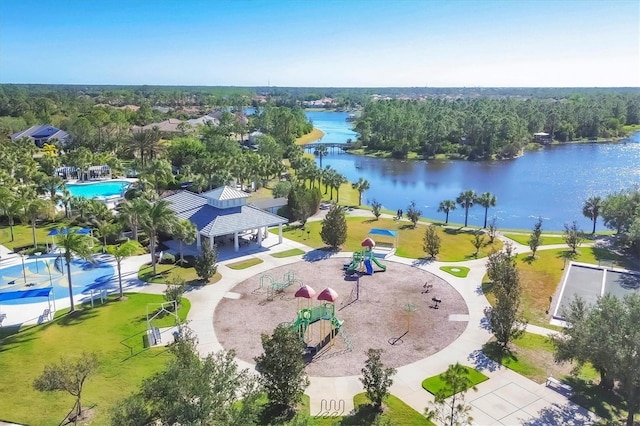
(378, 319)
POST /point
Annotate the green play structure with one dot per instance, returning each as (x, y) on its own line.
(306, 317)
(364, 258)
(272, 287)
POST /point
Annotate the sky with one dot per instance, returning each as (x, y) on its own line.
(324, 43)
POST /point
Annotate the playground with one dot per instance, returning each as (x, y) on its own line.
(394, 311)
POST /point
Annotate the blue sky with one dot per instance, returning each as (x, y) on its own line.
(349, 43)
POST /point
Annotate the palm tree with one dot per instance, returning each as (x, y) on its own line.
(339, 179)
(158, 173)
(158, 217)
(131, 213)
(10, 206)
(81, 204)
(591, 210)
(446, 206)
(77, 244)
(486, 200)
(65, 199)
(120, 252)
(361, 185)
(321, 151)
(32, 210)
(185, 232)
(466, 200)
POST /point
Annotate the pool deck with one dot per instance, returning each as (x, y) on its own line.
(506, 399)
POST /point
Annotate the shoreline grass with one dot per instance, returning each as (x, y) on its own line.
(310, 137)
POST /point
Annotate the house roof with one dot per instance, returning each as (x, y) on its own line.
(269, 203)
(212, 221)
(170, 125)
(41, 131)
(225, 193)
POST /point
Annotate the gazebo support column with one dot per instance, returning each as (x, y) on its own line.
(280, 234)
(236, 246)
(260, 237)
(198, 240)
(211, 242)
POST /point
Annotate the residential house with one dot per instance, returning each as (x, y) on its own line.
(41, 134)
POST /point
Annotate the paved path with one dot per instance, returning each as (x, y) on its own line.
(506, 399)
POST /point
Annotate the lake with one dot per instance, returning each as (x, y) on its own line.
(551, 183)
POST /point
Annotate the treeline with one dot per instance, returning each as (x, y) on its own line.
(488, 128)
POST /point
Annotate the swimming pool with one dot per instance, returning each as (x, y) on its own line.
(85, 276)
(98, 189)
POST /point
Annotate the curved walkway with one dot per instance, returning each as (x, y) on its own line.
(506, 399)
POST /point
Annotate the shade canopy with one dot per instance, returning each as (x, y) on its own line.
(368, 242)
(306, 292)
(24, 294)
(65, 231)
(328, 295)
(386, 232)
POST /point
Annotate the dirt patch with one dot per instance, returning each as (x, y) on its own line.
(376, 320)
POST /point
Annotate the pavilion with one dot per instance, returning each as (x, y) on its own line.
(222, 216)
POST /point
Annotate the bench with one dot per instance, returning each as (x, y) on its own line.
(558, 385)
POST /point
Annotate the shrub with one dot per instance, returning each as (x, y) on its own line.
(175, 289)
(168, 259)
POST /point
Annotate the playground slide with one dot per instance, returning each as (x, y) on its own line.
(368, 267)
(378, 264)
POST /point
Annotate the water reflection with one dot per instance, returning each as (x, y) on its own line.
(552, 183)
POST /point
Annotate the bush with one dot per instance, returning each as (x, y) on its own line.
(168, 259)
(282, 189)
(175, 289)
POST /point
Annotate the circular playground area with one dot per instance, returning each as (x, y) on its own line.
(47, 273)
(394, 311)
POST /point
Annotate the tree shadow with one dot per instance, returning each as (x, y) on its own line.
(364, 414)
(482, 362)
(318, 254)
(568, 414)
(79, 315)
(605, 404)
(276, 414)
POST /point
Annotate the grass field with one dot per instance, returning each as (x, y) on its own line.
(244, 264)
(540, 277)
(100, 330)
(435, 383)
(395, 412)
(166, 273)
(24, 236)
(456, 271)
(546, 239)
(455, 244)
(288, 253)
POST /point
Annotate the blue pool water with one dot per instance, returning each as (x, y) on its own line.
(84, 277)
(97, 189)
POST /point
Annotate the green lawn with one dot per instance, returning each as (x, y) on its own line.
(455, 244)
(244, 264)
(435, 383)
(546, 239)
(396, 412)
(165, 273)
(23, 235)
(532, 356)
(456, 271)
(288, 253)
(540, 277)
(100, 330)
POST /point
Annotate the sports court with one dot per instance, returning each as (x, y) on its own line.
(590, 282)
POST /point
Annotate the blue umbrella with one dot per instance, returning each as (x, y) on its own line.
(65, 231)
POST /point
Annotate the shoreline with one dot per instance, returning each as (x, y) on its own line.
(312, 136)
(445, 157)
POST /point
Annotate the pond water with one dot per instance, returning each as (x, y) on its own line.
(551, 183)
